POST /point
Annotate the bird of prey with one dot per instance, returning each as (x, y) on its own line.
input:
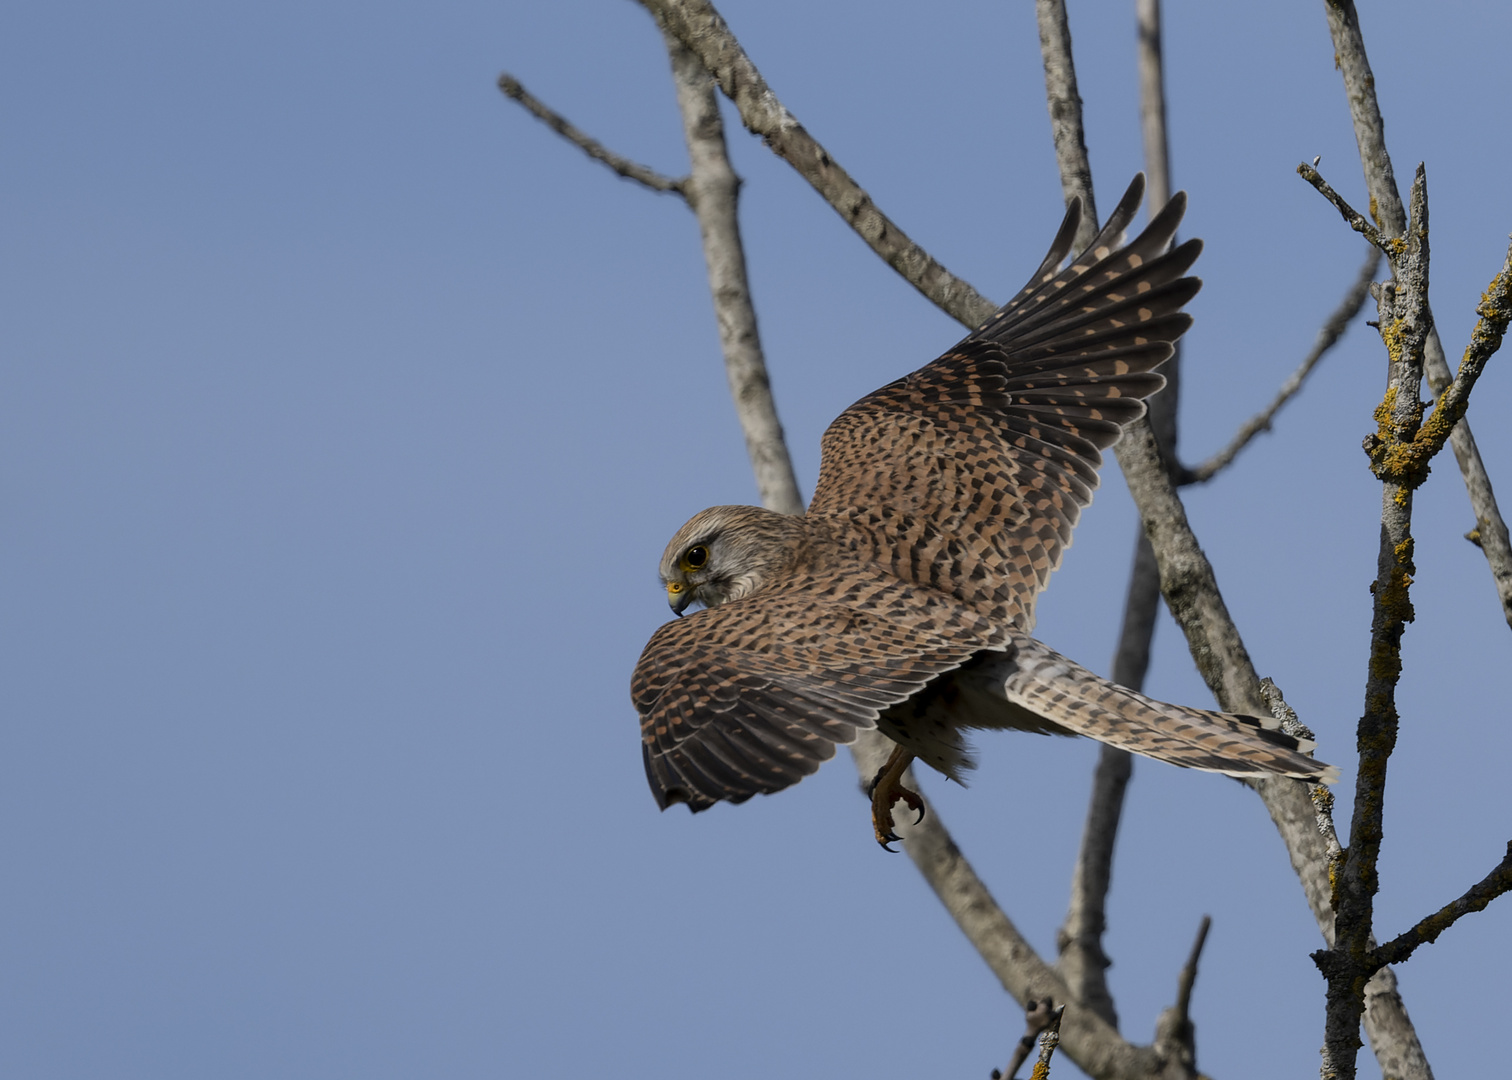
(904, 598)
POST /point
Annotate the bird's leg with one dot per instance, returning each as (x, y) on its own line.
(887, 789)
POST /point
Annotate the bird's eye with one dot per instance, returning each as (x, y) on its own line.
(696, 556)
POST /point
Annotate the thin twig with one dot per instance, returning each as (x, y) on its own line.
(1037, 1017)
(1082, 960)
(1332, 330)
(630, 170)
(1048, 1041)
(1494, 884)
(1188, 977)
(1495, 310)
(1353, 217)
(1175, 1034)
(1490, 534)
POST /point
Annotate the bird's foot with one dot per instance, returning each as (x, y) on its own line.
(886, 789)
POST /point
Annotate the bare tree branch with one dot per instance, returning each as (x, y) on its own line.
(698, 26)
(712, 191)
(1386, 208)
(1490, 533)
(1066, 114)
(1082, 960)
(1404, 322)
(1365, 112)
(1091, 1041)
(1175, 1035)
(1495, 310)
(1037, 1017)
(1332, 330)
(1048, 1041)
(1352, 217)
(1427, 930)
(630, 170)
(1162, 407)
(1188, 977)
(1152, 101)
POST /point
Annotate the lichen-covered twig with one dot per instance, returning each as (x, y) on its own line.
(630, 170)
(1404, 324)
(1037, 1017)
(1049, 1039)
(1495, 310)
(1332, 330)
(1490, 532)
(1351, 216)
(1386, 207)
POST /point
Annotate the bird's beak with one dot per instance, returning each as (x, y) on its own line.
(679, 596)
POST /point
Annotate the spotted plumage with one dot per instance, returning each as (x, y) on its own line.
(904, 598)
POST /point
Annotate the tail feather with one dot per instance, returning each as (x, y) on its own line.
(1045, 684)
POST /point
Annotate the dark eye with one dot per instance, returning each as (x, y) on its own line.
(696, 556)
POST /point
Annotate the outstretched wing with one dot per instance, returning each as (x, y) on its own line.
(751, 696)
(993, 449)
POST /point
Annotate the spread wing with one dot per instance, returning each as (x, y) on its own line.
(751, 696)
(993, 449)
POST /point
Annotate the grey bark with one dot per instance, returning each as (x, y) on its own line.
(713, 191)
(1065, 113)
(1386, 208)
(1082, 960)
(698, 26)
(1090, 1041)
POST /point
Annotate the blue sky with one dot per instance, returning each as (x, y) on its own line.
(344, 414)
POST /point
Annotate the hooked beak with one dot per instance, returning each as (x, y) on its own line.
(679, 596)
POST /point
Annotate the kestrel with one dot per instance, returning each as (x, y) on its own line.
(904, 598)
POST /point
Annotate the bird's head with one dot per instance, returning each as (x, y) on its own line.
(727, 552)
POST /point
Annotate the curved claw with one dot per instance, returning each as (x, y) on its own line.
(886, 789)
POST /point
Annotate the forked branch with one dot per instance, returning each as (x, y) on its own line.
(1386, 207)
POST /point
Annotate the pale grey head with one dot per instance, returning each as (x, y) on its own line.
(727, 552)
